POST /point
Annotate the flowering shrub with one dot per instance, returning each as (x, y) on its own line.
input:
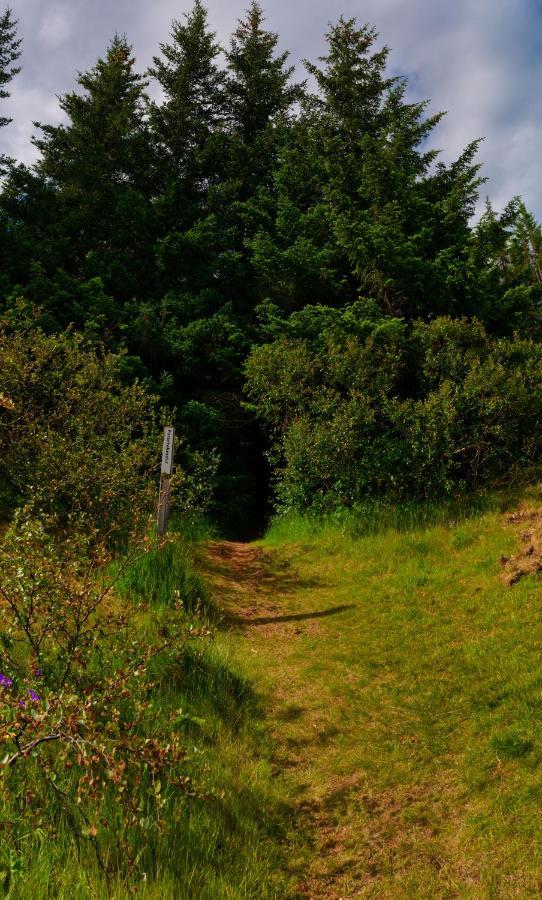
(96, 743)
(52, 595)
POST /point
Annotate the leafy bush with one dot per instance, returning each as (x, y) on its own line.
(89, 752)
(74, 440)
(362, 407)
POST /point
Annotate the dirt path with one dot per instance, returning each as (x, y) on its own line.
(279, 622)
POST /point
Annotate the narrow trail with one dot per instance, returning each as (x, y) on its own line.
(281, 622)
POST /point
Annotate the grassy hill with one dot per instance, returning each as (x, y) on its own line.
(365, 722)
(400, 673)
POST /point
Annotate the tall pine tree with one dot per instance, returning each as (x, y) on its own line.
(193, 87)
(259, 83)
(403, 226)
(99, 166)
(506, 262)
(10, 51)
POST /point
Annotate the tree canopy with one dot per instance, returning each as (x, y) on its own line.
(189, 225)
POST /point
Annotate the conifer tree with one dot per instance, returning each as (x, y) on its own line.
(526, 245)
(193, 88)
(184, 130)
(353, 82)
(403, 227)
(259, 83)
(10, 52)
(103, 142)
(98, 164)
(260, 96)
(506, 261)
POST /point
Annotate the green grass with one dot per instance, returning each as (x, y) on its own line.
(162, 573)
(168, 570)
(224, 843)
(403, 685)
(368, 723)
(380, 516)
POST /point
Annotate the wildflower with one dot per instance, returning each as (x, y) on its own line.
(38, 673)
(7, 682)
(34, 696)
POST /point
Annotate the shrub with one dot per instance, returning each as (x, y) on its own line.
(382, 411)
(74, 440)
(83, 750)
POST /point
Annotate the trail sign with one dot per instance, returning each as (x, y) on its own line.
(167, 451)
(164, 497)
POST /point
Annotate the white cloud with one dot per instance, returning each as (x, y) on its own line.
(27, 105)
(55, 28)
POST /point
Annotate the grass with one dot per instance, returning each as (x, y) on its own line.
(367, 723)
(380, 516)
(403, 686)
(156, 576)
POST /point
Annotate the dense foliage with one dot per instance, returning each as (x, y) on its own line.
(363, 406)
(175, 230)
(74, 440)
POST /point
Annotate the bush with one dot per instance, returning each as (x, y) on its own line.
(382, 411)
(74, 440)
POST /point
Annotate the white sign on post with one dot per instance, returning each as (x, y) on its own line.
(167, 451)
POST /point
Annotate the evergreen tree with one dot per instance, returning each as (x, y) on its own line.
(294, 252)
(403, 227)
(98, 165)
(261, 97)
(506, 266)
(358, 205)
(184, 127)
(9, 54)
(353, 83)
(259, 80)
(193, 87)
(207, 313)
(526, 246)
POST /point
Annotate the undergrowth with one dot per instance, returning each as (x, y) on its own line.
(220, 834)
(374, 517)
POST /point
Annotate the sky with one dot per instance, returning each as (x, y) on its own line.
(480, 60)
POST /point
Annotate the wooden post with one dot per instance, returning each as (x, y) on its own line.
(164, 498)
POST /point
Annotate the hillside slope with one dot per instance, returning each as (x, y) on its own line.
(402, 681)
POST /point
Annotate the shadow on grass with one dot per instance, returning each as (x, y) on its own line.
(257, 570)
(293, 617)
(210, 685)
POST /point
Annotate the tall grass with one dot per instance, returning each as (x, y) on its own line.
(222, 839)
(167, 569)
(221, 842)
(377, 517)
(158, 574)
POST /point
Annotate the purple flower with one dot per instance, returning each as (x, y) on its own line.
(7, 682)
(38, 673)
(34, 696)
